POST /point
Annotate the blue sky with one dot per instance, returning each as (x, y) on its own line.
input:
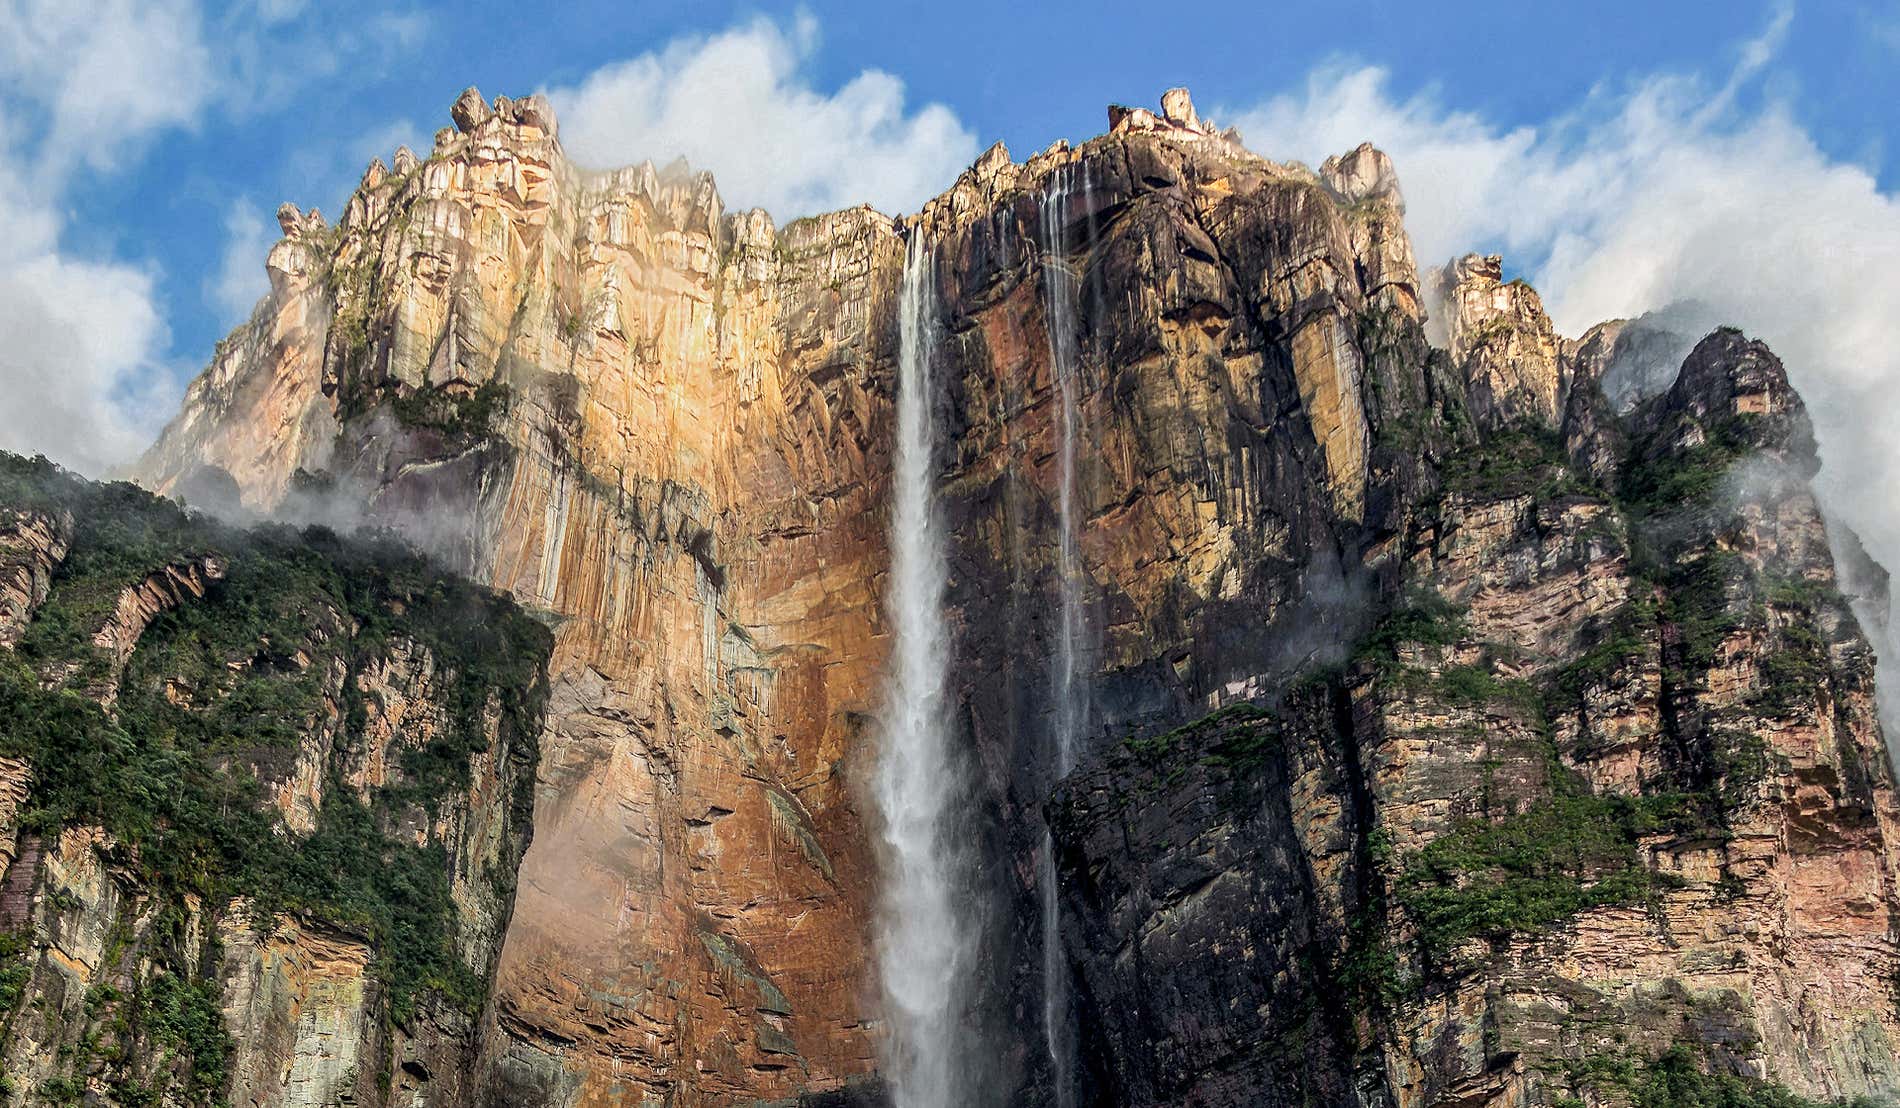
(1739, 153)
(1025, 74)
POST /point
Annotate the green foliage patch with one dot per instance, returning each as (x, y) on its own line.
(461, 417)
(1520, 461)
(1656, 480)
(1677, 1080)
(1525, 872)
(1425, 618)
(1240, 727)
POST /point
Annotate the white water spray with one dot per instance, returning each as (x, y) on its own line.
(923, 935)
(1060, 296)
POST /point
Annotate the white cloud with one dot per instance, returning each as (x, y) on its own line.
(107, 73)
(75, 337)
(740, 104)
(82, 339)
(1665, 191)
(240, 278)
(88, 85)
(270, 12)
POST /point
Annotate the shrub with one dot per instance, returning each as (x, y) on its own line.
(1677, 1079)
(1527, 871)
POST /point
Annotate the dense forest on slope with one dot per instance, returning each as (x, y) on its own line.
(240, 729)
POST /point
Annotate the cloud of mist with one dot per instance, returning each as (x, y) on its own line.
(241, 279)
(741, 104)
(1671, 189)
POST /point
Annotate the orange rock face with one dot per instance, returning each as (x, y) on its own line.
(688, 470)
(684, 473)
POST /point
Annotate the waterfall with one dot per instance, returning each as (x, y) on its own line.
(923, 934)
(1060, 296)
(1060, 291)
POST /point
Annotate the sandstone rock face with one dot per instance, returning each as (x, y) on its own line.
(138, 605)
(688, 468)
(31, 544)
(1673, 660)
(1423, 583)
(1375, 218)
(1498, 333)
(303, 997)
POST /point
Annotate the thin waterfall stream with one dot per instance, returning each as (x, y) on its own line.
(924, 938)
(1060, 299)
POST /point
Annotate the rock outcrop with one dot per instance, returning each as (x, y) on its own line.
(31, 544)
(1435, 731)
(1500, 337)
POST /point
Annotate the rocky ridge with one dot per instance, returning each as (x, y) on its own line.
(1463, 624)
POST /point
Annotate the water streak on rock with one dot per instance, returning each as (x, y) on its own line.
(923, 939)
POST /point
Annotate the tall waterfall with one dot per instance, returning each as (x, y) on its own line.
(923, 933)
(1060, 296)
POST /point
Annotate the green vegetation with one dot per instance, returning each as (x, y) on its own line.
(1798, 665)
(1526, 461)
(1471, 686)
(1236, 739)
(124, 537)
(1372, 970)
(1678, 1080)
(1659, 481)
(1425, 618)
(183, 1017)
(1696, 604)
(249, 670)
(1229, 746)
(1524, 872)
(1624, 637)
(1237, 723)
(463, 418)
(16, 951)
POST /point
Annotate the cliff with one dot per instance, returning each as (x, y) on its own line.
(1603, 791)
(262, 800)
(1452, 735)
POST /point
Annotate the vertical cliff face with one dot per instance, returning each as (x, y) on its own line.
(1601, 802)
(1445, 715)
(606, 395)
(263, 796)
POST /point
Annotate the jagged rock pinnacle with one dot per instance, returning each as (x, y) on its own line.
(1177, 107)
(1177, 116)
(470, 110)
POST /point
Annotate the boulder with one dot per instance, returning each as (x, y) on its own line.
(469, 110)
